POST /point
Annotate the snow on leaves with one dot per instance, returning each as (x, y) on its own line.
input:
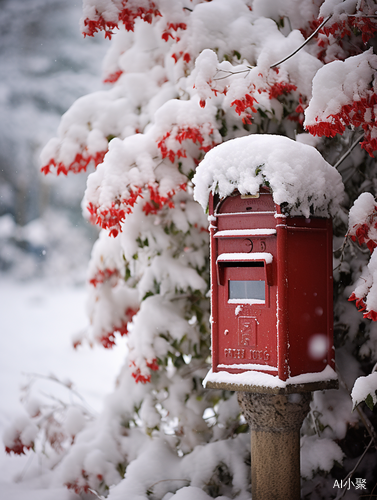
(363, 229)
(348, 17)
(356, 114)
(114, 12)
(350, 95)
(363, 221)
(111, 218)
(113, 77)
(200, 135)
(249, 102)
(245, 89)
(367, 26)
(168, 33)
(108, 340)
(51, 422)
(145, 165)
(185, 78)
(79, 164)
(113, 304)
(145, 376)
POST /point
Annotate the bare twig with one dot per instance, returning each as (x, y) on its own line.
(64, 405)
(20, 477)
(231, 73)
(303, 44)
(351, 473)
(352, 174)
(93, 492)
(349, 151)
(355, 15)
(53, 378)
(164, 480)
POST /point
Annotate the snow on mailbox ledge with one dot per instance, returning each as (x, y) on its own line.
(255, 381)
(300, 178)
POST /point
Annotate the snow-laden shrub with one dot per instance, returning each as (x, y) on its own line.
(186, 77)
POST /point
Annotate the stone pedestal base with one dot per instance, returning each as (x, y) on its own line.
(275, 422)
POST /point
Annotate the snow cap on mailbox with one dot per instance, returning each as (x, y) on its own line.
(270, 202)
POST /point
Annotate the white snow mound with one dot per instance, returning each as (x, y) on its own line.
(298, 175)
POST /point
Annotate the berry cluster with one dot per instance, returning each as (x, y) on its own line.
(362, 235)
(108, 340)
(81, 485)
(172, 27)
(113, 77)
(365, 233)
(182, 134)
(280, 88)
(366, 25)
(111, 218)
(358, 113)
(241, 105)
(157, 202)
(18, 447)
(354, 25)
(79, 164)
(103, 275)
(248, 102)
(126, 16)
(144, 378)
(361, 306)
(186, 57)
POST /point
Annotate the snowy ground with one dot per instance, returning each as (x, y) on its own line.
(37, 321)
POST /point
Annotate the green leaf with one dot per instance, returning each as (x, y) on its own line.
(121, 468)
(369, 402)
(262, 113)
(148, 294)
(224, 129)
(142, 243)
(258, 169)
(242, 428)
(127, 274)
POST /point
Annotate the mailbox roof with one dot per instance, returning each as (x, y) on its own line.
(297, 173)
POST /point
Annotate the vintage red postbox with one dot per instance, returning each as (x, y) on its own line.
(272, 288)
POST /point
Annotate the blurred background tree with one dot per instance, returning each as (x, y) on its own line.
(45, 66)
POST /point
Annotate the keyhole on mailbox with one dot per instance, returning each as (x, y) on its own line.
(263, 246)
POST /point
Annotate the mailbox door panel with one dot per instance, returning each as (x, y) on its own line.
(246, 319)
(309, 265)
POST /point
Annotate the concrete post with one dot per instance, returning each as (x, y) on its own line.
(275, 421)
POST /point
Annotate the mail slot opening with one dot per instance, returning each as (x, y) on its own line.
(245, 264)
(259, 265)
(247, 291)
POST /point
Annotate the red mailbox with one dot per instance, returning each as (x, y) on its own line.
(272, 288)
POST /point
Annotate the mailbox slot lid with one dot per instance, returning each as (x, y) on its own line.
(244, 259)
(245, 233)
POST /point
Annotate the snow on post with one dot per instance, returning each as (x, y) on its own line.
(298, 175)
